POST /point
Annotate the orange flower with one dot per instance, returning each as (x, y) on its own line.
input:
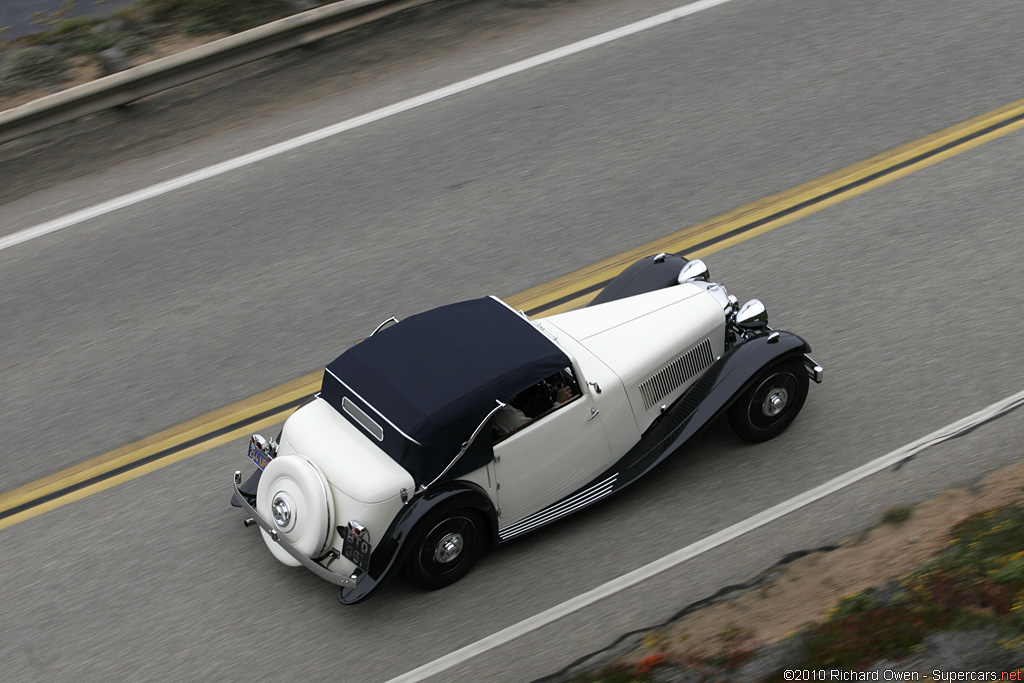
(648, 663)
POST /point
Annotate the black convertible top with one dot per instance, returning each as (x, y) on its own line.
(420, 387)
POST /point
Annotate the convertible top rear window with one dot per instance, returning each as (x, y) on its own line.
(430, 379)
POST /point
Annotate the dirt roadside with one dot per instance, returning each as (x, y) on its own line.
(796, 593)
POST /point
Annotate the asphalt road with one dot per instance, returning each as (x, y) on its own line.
(145, 317)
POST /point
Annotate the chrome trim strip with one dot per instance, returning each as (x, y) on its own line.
(551, 518)
(467, 444)
(360, 416)
(519, 313)
(315, 567)
(564, 507)
(536, 325)
(382, 416)
(392, 319)
(542, 517)
(560, 508)
(567, 501)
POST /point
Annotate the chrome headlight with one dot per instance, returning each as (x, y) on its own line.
(694, 270)
(752, 312)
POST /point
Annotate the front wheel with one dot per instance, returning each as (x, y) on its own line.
(447, 547)
(772, 402)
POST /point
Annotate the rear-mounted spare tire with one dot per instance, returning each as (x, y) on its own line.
(294, 497)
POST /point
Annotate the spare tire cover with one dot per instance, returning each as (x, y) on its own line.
(294, 497)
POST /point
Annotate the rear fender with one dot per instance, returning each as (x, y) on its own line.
(248, 489)
(393, 548)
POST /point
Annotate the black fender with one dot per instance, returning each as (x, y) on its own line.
(393, 548)
(646, 275)
(724, 382)
(248, 489)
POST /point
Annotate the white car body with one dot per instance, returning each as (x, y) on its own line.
(631, 359)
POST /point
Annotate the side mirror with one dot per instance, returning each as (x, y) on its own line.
(693, 270)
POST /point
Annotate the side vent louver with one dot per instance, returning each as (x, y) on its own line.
(676, 374)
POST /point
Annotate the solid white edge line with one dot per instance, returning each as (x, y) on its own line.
(288, 145)
(708, 543)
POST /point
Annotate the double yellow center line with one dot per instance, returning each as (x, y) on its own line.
(563, 293)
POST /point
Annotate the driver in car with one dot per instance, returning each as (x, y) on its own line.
(510, 418)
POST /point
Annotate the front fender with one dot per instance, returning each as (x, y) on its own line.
(646, 275)
(713, 393)
(734, 374)
(393, 547)
(740, 367)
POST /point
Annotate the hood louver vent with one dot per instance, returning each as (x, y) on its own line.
(676, 374)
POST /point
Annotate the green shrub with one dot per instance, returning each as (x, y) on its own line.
(897, 514)
(1011, 572)
(856, 640)
(32, 67)
(72, 26)
(135, 44)
(92, 43)
(854, 604)
(76, 36)
(202, 16)
(990, 534)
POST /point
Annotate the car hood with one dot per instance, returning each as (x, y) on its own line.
(349, 460)
(657, 343)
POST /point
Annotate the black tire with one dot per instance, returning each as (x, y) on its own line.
(445, 549)
(771, 403)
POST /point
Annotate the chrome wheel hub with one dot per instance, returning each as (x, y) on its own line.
(282, 510)
(448, 548)
(775, 402)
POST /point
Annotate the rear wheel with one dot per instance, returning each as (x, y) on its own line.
(772, 402)
(447, 547)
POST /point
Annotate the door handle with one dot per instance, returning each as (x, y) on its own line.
(593, 414)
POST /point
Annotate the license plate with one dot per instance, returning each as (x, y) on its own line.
(357, 550)
(257, 456)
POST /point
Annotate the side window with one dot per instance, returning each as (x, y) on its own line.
(535, 402)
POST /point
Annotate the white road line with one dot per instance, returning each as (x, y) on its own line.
(334, 129)
(710, 542)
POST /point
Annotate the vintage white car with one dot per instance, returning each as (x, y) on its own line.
(461, 428)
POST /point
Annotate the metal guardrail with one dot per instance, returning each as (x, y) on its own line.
(161, 74)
